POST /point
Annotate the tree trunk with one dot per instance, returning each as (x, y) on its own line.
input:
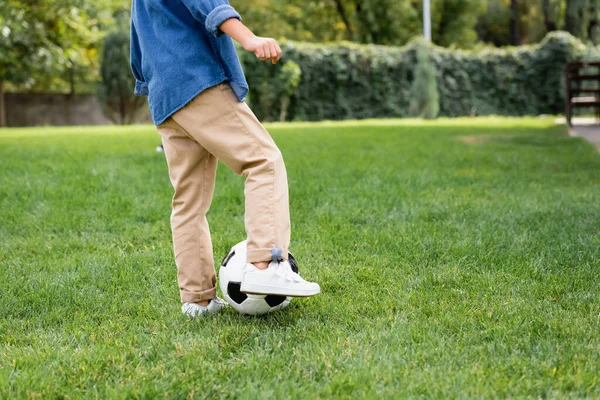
(593, 22)
(573, 20)
(70, 96)
(361, 32)
(548, 17)
(591, 31)
(285, 104)
(122, 109)
(441, 28)
(514, 21)
(71, 79)
(342, 12)
(2, 108)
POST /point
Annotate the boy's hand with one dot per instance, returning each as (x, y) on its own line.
(264, 48)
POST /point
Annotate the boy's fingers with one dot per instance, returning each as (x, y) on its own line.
(279, 52)
(269, 50)
(277, 56)
(266, 52)
(262, 55)
(274, 52)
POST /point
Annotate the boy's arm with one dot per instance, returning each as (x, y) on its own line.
(264, 48)
(219, 17)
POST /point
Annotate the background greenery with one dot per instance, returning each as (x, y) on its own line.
(115, 89)
(350, 81)
(54, 45)
(458, 258)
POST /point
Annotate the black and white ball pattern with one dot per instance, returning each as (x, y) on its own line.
(230, 280)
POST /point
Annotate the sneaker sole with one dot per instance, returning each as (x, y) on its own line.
(251, 288)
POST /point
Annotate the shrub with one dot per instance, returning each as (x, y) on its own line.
(115, 90)
(351, 81)
(425, 98)
(289, 79)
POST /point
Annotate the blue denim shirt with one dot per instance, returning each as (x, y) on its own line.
(178, 51)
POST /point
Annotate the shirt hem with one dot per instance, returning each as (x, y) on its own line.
(202, 89)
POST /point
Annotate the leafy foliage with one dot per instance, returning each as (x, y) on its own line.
(312, 21)
(425, 98)
(454, 21)
(53, 45)
(350, 81)
(387, 22)
(21, 41)
(115, 90)
(289, 79)
(538, 17)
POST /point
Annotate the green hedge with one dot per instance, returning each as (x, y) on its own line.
(350, 81)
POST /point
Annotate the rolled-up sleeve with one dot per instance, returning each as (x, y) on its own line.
(212, 13)
(218, 16)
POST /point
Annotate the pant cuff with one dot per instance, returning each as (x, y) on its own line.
(264, 255)
(196, 297)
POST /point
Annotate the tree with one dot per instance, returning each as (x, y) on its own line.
(425, 97)
(74, 28)
(514, 22)
(453, 22)
(22, 43)
(116, 87)
(48, 41)
(574, 16)
(289, 79)
(344, 16)
(550, 14)
(378, 21)
(387, 22)
(581, 19)
(314, 21)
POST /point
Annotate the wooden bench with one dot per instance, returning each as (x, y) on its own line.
(582, 88)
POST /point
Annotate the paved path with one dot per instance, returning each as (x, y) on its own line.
(586, 128)
(589, 133)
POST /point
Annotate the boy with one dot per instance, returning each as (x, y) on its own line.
(183, 58)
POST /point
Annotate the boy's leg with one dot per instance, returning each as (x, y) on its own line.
(192, 172)
(228, 129)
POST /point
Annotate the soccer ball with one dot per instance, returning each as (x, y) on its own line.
(230, 280)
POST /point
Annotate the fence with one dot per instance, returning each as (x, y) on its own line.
(35, 109)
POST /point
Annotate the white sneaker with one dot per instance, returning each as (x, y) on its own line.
(194, 310)
(277, 279)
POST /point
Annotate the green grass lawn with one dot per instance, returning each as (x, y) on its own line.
(456, 258)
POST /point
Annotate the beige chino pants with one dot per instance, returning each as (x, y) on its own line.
(216, 125)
